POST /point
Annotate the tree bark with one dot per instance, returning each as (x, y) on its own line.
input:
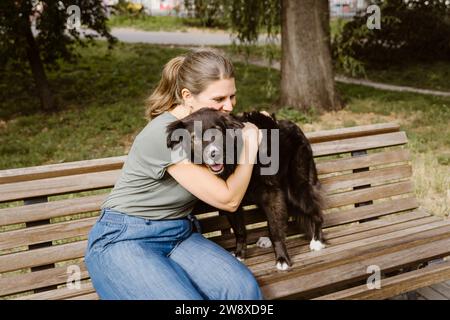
(307, 77)
(38, 71)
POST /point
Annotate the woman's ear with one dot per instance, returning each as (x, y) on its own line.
(187, 96)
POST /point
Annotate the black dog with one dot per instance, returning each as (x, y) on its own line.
(292, 189)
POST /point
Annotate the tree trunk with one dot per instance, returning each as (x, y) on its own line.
(37, 68)
(307, 78)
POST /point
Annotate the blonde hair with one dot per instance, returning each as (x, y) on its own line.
(193, 71)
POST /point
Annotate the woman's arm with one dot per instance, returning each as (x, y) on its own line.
(225, 195)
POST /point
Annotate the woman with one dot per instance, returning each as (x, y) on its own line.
(142, 246)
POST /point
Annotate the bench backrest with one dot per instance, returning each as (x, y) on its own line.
(47, 211)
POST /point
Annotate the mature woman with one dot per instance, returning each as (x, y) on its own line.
(142, 246)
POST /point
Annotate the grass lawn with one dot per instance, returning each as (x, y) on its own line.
(102, 105)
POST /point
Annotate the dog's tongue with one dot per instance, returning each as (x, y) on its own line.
(217, 167)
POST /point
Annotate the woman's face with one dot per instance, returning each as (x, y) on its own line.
(219, 95)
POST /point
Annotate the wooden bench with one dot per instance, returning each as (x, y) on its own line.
(372, 219)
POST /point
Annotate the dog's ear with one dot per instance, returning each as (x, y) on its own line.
(173, 139)
(232, 122)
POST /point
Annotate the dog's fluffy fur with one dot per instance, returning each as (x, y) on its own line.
(294, 190)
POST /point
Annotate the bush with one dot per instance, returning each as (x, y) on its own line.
(410, 31)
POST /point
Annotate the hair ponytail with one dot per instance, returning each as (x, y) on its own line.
(165, 95)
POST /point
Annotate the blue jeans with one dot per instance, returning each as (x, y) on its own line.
(129, 257)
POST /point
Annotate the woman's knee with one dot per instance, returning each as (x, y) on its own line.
(248, 288)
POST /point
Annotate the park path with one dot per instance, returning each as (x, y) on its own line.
(206, 38)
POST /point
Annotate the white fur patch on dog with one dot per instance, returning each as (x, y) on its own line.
(239, 258)
(264, 242)
(282, 266)
(316, 245)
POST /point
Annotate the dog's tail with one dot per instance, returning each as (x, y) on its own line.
(305, 196)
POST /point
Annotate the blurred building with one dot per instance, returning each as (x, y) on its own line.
(157, 7)
(347, 8)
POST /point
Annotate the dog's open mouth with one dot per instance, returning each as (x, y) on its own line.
(216, 168)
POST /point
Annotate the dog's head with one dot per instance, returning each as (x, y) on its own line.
(205, 136)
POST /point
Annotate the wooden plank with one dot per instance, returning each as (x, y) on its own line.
(372, 177)
(361, 143)
(371, 246)
(351, 132)
(40, 279)
(61, 293)
(372, 193)
(228, 241)
(442, 288)
(301, 246)
(355, 270)
(59, 185)
(216, 223)
(430, 294)
(395, 285)
(368, 160)
(49, 210)
(49, 232)
(61, 169)
(370, 211)
(89, 296)
(27, 259)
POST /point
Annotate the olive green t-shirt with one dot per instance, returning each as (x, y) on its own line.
(144, 188)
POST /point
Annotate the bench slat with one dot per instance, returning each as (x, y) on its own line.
(42, 256)
(345, 236)
(396, 285)
(49, 210)
(357, 270)
(61, 293)
(373, 177)
(38, 279)
(351, 132)
(61, 169)
(360, 143)
(228, 241)
(89, 296)
(57, 186)
(331, 219)
(45, 233)
(368, 194)
(363, 161)
(311, 262)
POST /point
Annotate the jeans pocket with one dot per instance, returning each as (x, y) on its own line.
(104, 234)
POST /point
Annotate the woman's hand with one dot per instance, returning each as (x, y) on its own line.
(252, 136)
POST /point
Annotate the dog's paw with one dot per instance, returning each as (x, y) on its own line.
(237, 256)
(316, 245)
(264, 242)
(282, 265)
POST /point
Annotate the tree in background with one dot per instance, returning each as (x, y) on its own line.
(52, 39)
(307, 78)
